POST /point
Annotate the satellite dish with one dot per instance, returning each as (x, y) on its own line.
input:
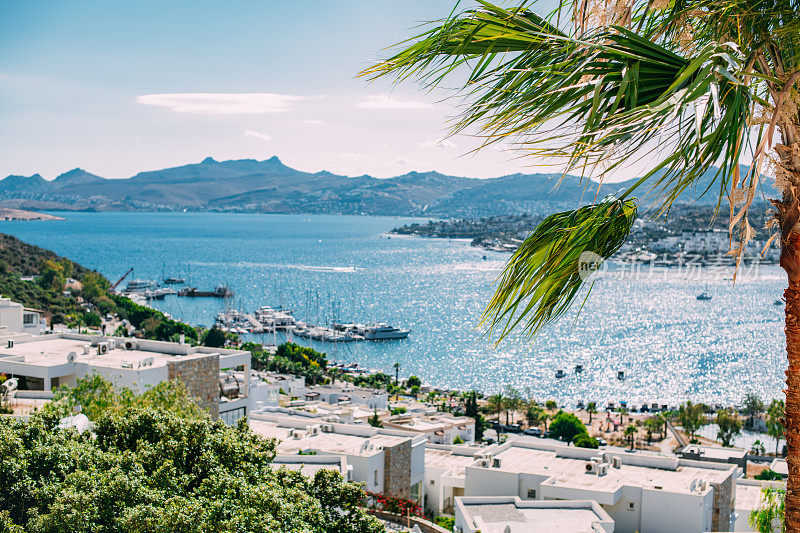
(71, 356)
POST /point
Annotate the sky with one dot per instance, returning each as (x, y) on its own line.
(122, 87)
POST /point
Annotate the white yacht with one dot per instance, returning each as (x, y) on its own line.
(382, 331)
(139, 285)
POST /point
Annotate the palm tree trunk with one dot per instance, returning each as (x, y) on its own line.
(788, 172)
(790, 261)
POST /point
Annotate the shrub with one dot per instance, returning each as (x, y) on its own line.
(583, 440)
(768, 475)
(565, 426)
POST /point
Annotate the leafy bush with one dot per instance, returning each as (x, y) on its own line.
(153, 469)
(768, 475)
(447, 522)
(566, 426)
(583, 440)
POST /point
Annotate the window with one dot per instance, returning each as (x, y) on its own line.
(531, 494)
(631, 506)
(433, 482)
(27, 319)
(375, 482)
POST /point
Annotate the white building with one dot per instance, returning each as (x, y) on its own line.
(641, 492)
(43, 363)
(445, 475)
(16, 318)
(309, 465)
(440, 428)
(373, 399)
(292, 386)
(510, 514)
(343, 412)
(386, 461)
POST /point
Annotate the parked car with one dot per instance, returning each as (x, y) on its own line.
(512, 428)
(534, 432)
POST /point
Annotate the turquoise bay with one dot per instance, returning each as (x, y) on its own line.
(650, 325)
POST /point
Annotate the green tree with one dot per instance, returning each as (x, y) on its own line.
(729, 425)
(414, 381)
(495, 404)
(583, 440)
(535, 415)
(775, 418)
(565, 426)
(753, 406)
(551, 405)
(592, 410)
(92, 320)
(512, 401)
(770, 512)
(53, 276)
(757, 448)
(471, 410)
(215, 338)
(677, 87)
(149, 468)
(396, 366)
(630, 433)
(374, 421)
(690, 417)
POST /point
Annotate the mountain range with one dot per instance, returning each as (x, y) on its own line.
(269, 186)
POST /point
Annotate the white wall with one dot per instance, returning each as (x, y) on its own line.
(490, 482)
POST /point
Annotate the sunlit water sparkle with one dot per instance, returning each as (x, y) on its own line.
(670, 345)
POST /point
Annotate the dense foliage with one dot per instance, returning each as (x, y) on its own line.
(158, 470)
(290, 358)
(18, 260)
(566, 426)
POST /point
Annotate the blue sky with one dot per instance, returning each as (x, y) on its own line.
(120, 87)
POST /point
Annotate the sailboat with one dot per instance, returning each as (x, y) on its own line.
(704, 295)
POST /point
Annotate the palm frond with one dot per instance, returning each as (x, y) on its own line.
(545, 274)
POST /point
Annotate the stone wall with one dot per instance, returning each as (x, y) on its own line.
(200, 374)
(724, 504)
(397, 469)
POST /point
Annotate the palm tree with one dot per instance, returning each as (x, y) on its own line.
(396, 372)
(678, 86)
(629, 432)
(495, 404)
(591, 409)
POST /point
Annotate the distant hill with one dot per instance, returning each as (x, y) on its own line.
(269, 186)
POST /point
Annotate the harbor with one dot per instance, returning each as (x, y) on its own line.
(264, 319)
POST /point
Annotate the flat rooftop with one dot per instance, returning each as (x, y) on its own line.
(454, 464)
(544, 517)
(53, 351)
(571, 472)
(337, 443)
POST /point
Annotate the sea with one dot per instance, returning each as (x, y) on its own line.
(647, 324)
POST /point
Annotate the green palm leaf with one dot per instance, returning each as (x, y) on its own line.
(545, 274)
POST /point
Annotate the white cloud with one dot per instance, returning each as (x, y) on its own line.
(221, 103)
(313, 122)
(402, 161)
(384, 101)
(258, 135)
(353, 156)
(445, 143)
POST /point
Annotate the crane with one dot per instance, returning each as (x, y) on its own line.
(114, 286)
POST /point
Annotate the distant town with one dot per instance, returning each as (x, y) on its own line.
(689, 234)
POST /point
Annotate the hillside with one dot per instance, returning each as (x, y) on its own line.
(37, 278)
(269, 186)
